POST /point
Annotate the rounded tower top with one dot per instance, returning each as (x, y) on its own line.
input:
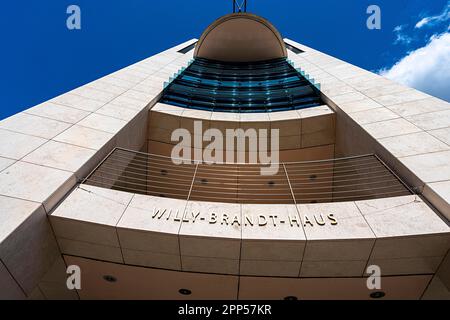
(241, 37)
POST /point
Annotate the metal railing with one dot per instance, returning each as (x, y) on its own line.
(335, 180)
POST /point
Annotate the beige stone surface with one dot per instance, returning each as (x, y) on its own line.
(436, 290)
(30, 250)
(60, 156)
(141, 209)
(439, 194)
(5, 163)
(419, 107)
(401, 216)
(431, 120)
(318, 130)
(223, 228)
(390, 128)
(413, 144)
(35, 183)
(350, 222)
(277, 239)
(77, 102)
(53, 285)
(269, 268)
(103, 123)
(347, 97)
(34, 125)
(19, 145)
(95, 205)
(129, 103)
(204, 238)
(94, 94)
(337, 268)
(431, 167)
(359, 105)
(401, 97)
(114, 111)
(10, 290)
(405, 266)
(442, 188)
(411, 247)
(210, 265)
(84, 137)
(373, 115)
(116, 86)
(58, 112)
(57, 291)
(14, 212)
(138, 230)
(90, 250)
(151, 259)
(350, 239)
(442, 134)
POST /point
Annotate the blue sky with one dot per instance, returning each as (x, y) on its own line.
(41, 58)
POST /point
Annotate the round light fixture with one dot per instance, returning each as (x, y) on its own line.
(185, 292)
(109, 278)
(377, 295)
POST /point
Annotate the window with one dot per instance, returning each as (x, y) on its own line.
(241, 87)
(293, 49)
(188, 48)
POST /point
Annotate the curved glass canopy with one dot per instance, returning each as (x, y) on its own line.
(265, 86)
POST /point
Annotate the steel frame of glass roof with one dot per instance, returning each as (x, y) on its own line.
(266, 86)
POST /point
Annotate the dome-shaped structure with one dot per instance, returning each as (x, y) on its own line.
(241, 37)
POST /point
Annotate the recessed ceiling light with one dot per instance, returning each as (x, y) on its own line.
(109, 278)
(291, 298)
(312, 177)
(271, 183)
(204, 181)
(185, 292)
(377, 295)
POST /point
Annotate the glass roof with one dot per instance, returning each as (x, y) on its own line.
(266, 86)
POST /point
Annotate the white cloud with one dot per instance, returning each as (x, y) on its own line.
(433, 20)
(401, 37)
(427, 68)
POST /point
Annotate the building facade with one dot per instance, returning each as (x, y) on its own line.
(237, 166)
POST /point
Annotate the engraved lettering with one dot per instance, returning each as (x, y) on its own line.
(292, 219)
(224, 219)
(195, 216)
(307, 221)
(274, 220)
(332, 219)
(212, 218)
(158, 213)
(249, 220)
(236, 220)
(262, 220)
(177, 217)
(321, 222)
